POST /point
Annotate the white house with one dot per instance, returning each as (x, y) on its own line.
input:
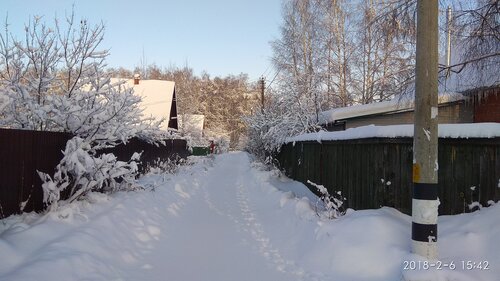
(158, 99)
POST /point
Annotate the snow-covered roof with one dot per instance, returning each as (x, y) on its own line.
(393, 105)
(157, 96)
(472, 130)
(192, 124)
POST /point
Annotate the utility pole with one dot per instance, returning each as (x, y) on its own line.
(425, 137)
(262, 83)
(448, 40)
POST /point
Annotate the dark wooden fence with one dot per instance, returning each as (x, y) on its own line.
(23, 153)
(151, 153)
(377, 172)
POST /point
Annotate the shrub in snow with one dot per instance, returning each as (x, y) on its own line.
(81, 171)
(332, 206)
(169, 166)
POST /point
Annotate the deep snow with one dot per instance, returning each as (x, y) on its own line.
(227, 218)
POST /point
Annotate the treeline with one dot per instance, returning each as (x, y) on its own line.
(223, 100)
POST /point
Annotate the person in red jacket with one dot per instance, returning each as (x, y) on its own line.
(212, 147)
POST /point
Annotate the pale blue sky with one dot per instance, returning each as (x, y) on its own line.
(219, 36)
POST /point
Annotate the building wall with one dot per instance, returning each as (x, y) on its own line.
(460, 112)
(488, 109)
(381, 120)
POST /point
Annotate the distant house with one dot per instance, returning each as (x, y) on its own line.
(158, 99)
(480, 105)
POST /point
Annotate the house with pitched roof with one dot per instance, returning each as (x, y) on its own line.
(158, 99)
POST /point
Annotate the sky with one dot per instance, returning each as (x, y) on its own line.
(220, 37)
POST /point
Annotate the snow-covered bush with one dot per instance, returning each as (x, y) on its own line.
(332, 205)
(169, 166)
(81, 171)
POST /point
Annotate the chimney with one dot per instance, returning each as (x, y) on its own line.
(137, 78)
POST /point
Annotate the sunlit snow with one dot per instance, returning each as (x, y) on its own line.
(229, 218)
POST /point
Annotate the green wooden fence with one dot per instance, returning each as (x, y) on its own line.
(377, 172)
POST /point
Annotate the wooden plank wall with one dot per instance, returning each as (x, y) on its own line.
(150, 153)
(22, 154)
(377, 172)
(449, 113)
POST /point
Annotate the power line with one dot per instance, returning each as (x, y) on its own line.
(276, 75)
(264, 74)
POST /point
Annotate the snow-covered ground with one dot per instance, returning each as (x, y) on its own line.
(227, 218)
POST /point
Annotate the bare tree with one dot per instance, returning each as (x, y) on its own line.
(296, 53)
(476, 36)
(475, 31)
(120, 72)
(385, 62)
(337, 51)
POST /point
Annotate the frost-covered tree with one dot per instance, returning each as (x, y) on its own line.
(282, 118)
(54, 80)
(337, 52)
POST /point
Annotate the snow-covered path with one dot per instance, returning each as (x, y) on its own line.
(226, 218)
(196, 225)
(208, 238)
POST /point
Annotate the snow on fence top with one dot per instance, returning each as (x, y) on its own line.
(472, 130)
(393, 105)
